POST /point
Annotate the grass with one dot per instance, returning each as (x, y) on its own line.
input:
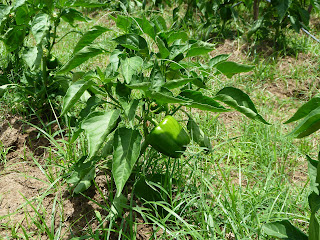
(255, 173)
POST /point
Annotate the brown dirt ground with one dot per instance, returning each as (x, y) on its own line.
(21, 179)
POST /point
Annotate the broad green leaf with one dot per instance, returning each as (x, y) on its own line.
(132, 41)
(80, 57)
(199, 48)
(156, 78)
(198, 135)
(240, 101)
(183, 36)
(40, 26)
(218, 59)
(305, 109)
(127, 144)
(284, 230)
(167, 97)
(70, 15)
(131, 66)
(314, 202)
(146, 27)
(33, 57)
(86, 181)
(123, 22)
(97, 126)
(130, 109)
(74, 93)
(231, 68)
(89, 37)
(118, 204)
(255, 27)
(171, 84)
(198, 100)
(84, 4)
(312, 172)
(176, 52)
(22, 15)
(314, 228)
(14, 38)
(282, 8)
(159, 23)
(82, 174)
(141, 86)
(163, 51)
(308, 125)
(305, 16)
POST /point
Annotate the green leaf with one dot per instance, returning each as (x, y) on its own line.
(146, 27)
(132, 41)
(86, 181)
(314, 202)
(80, 57)
(282, 8)
(163, 51)
(70, 15)
(130, 109)
(159, 23)
(74, 93)
(308, 125)
(183, 36)
(156, 78)
(305, 109)
(84, 4)
(141, 86)
(97, 126)
(312, 172)
(33, 57)
(198, 100)
(131, 66)
(218, 59)
(284, 230)
(199, 48)
(14, 38)
(123, 22)
(167, 97)
(40, 26)
(314, 228)
(231, 68)
(240, 101)
(118, 204)
(82, 175)
(89, 37)
(171, 84)
(127, 144)
(22, 15)
(198, 135)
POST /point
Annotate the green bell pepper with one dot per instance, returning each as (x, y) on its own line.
(169, 137)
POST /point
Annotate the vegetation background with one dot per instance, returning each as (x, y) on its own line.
(236, 175)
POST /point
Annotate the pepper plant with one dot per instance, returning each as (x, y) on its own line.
(29, 31)
(139, 87)
(309, 116)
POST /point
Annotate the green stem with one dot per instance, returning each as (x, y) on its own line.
(175, 110)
